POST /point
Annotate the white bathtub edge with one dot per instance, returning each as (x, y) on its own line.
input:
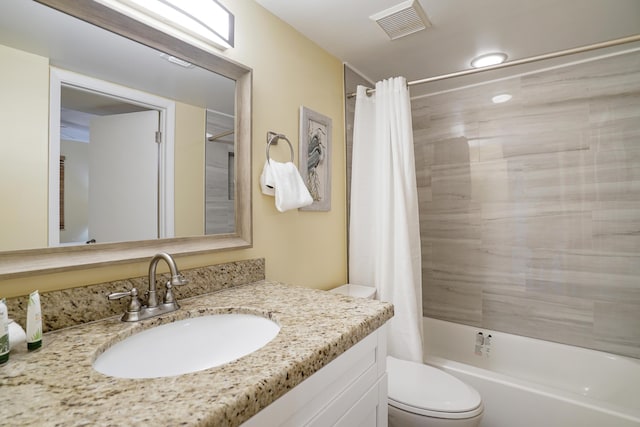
(550, 392)
(529, 382)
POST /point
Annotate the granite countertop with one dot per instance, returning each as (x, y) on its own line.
(57, 385)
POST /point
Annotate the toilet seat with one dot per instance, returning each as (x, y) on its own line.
(427, 391)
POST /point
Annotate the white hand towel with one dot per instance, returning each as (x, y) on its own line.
(284, 178)
(266, 181)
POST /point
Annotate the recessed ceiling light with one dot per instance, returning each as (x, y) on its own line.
(488, 59)
(503, 97)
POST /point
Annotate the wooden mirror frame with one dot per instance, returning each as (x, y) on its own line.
(49, 260)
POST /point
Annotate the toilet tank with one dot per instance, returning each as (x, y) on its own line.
(358, 291)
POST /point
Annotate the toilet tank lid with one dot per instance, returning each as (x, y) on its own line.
(424, 387)
(359, 291)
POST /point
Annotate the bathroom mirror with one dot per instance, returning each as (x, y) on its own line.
(217, 89)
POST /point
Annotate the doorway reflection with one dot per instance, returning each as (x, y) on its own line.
(107, 145)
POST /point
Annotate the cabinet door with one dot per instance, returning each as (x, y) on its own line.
(370, 410)
(349, 391)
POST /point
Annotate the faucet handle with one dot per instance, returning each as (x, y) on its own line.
(177, 280)
(168, 295)
(134, 305)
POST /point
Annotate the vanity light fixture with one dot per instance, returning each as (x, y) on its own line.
(203, 23)
(488, 59)
(503, 97)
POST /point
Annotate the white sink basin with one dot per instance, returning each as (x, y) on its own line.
(188, 345)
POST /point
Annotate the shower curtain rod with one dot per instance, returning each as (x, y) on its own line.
(220, 135)
(557, 54)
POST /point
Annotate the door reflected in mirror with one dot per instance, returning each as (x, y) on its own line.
(107, 143)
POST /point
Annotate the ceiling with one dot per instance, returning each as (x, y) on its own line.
(461, 30)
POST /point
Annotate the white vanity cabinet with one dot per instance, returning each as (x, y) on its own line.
(350, 391)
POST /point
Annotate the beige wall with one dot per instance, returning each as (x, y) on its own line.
(305, 248)
(530, 210)
(24, 115)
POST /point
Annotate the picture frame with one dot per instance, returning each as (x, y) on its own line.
(315, 157)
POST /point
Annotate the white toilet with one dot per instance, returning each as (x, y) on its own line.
(421, 395)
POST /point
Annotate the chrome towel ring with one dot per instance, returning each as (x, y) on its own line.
(272, 138)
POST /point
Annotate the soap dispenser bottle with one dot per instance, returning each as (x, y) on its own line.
(34, 322)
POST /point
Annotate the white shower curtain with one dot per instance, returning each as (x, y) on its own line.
(384, 231)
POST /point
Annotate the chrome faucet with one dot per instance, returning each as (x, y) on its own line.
(136, 311)
(176, 279)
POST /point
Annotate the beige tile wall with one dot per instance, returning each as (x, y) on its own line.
(530, 209)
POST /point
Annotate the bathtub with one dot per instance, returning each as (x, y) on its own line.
(526, 382)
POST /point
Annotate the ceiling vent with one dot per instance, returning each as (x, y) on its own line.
(402, 19)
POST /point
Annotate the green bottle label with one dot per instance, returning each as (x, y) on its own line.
(4, 348)
(34, 345)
